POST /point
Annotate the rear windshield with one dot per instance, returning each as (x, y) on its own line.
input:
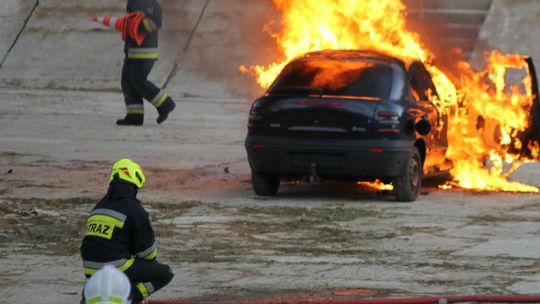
(333, 77)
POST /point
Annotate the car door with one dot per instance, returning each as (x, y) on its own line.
(532, 135)
(423, 92)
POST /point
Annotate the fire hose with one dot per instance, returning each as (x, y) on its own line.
(415, 300)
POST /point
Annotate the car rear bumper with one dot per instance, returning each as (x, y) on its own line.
(328, 158)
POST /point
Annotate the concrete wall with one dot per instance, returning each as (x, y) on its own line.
(445, 24)
(511, 26)
(229, 35)
(203, 42)
(13, 14)
(61, 48)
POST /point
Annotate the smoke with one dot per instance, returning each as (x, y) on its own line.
(450, 43)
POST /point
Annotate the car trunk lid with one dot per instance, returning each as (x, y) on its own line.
(320, 116)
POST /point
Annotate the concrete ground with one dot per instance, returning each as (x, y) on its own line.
(59, 99)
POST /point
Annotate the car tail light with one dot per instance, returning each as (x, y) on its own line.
(388, 122)
(255, 118)
(388, 114)
(388, 131)
(376, 150)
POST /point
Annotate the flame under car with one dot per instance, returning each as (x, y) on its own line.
(347, 115)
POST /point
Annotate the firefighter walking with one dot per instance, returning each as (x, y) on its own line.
(138, 63)
(119, 233)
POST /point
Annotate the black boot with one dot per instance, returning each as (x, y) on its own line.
(131, 120)
(164, 110)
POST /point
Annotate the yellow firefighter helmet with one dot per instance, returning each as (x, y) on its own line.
(129, 171)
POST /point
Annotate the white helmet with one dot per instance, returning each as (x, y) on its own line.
(107, 286)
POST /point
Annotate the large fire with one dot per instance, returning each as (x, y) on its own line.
(486, 115)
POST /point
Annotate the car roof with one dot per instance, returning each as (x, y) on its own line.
(350, 54)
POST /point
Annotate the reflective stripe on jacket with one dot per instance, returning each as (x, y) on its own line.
(92, 267)
(150, 24)
(142, 53)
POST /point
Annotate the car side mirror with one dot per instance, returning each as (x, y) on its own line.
(423, 127)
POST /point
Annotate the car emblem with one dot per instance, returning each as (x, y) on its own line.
(358, 129)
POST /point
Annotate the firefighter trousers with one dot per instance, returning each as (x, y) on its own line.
(136, 86)
(147, 277)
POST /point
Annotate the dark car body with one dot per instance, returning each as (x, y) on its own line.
(347, 115)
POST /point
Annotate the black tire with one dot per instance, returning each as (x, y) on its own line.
(407, 186)
(264, 185)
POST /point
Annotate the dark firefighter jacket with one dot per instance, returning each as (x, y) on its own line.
(118, 230)
(148, 50)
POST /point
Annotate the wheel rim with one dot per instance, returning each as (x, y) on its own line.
(414, 173)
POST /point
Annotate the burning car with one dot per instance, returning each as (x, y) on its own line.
(361, 115)
(347, 115)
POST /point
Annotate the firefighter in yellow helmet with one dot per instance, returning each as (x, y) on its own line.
(119, 233)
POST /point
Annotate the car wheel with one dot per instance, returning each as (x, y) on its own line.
(407, 186)
(264, 185)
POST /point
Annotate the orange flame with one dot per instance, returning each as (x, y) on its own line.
(340, 24)
(483, 133)
(377, 185)
(483, 155)
(335, 75)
